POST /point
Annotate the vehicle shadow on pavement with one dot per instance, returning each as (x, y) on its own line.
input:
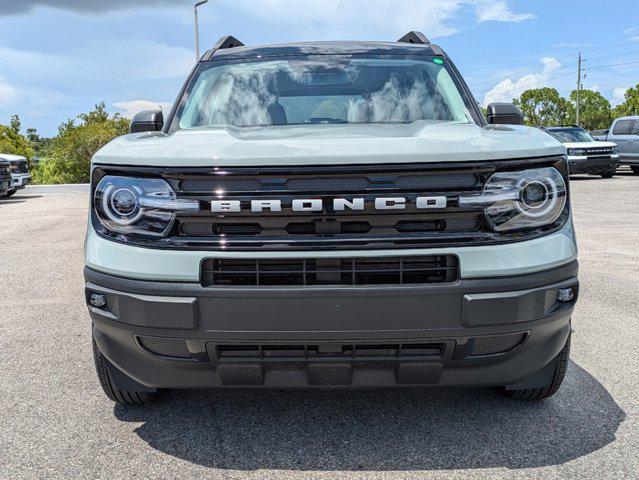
(17, 199)
(379, 430)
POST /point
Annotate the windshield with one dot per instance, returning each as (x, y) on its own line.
(568, 135)
(322, 90)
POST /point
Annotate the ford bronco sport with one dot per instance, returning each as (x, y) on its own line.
(585, 154)
(330, 215)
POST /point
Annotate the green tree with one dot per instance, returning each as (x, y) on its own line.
(595, 111)
(39, 144)
(630, 105)
(69, 157)
(544, 106)
(15, 124)
(14, 143)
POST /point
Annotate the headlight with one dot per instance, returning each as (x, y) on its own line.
(142, 206)
(576, 152)
(525, 199)
(615, 150)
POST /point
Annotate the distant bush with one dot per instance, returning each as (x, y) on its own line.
(68, 158)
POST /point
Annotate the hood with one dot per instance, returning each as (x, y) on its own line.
(12, 158)
(329, 144)
(589, 144)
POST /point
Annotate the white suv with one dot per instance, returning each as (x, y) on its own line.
(585, 154)
(333, 214)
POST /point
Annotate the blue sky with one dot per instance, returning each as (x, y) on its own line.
(60, 57)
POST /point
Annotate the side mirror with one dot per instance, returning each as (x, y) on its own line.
(504, 114)
(147, 121)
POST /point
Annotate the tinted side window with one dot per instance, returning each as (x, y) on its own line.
(635, 128)
(622, 127)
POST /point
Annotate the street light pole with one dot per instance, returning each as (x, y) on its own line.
(197, 29)
(579, 90)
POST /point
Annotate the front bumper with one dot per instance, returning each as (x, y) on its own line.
(592, 165)
(480, 332)
(20, 180)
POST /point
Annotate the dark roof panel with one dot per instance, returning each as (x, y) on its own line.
(321, 48)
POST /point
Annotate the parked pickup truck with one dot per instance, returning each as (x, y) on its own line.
(20, 176)
(625, 133)
(331, 214)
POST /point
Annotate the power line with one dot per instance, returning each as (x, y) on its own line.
(530, 69)
(611, 46)
(612, 65)
(611, 84)
(519, 72)
(612, 57)
(578, 89)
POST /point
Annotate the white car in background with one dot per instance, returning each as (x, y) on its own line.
(20, 176)
(585, 154)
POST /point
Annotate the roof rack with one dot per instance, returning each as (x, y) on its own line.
(414, 37)
(228, 41)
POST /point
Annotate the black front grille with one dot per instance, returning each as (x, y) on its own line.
(330, 271)
(346, 229)
(599, 151)
(336, 183)
(301, 352)
(280, 227)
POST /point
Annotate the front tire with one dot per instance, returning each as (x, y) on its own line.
(635, 170)
(608, 174)
(547, 391)
(124, 397)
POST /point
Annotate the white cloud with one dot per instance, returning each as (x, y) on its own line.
(508, 89)
(619, 95)
(9, 7)
(499, 11)
(352, 19)
(335, 19)
(562, 45)
(7, 93)
(130, 108)
(25, 101)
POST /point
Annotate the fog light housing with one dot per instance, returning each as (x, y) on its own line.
(97, 300)
(565, 295)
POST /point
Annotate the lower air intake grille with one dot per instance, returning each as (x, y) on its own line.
(330, 271)
(301, 352)
(166, 347)
(494, 344)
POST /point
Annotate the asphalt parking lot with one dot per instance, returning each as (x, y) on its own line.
(56, 423)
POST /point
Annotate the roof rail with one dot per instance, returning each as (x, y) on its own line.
(228, 41)
(414, 37)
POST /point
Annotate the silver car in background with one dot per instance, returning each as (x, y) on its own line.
(625, 133)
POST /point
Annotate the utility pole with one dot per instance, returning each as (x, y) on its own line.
(578, 88)
(197, 29)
